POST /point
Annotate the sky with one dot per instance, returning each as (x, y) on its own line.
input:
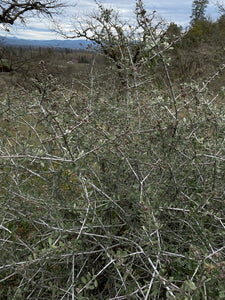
(177, 11)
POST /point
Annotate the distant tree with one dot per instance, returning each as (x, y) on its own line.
(173, 31)
(202, 31)
(221, 7)
(198, 10)
(12, 10)
(221, 22)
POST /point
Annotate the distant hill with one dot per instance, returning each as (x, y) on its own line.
(71, 44)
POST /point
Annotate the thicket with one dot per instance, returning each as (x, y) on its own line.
(114, 190)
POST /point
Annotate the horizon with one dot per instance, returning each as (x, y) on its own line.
(41, 29)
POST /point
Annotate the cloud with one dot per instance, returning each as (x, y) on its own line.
(177, 11)
(36, 34)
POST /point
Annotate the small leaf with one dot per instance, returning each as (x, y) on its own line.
(83, 279)
(191, 285)
(96, 283)
(50, 241)
(91, 287)
(222, 295)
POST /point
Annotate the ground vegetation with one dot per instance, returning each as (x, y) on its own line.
(112, 165)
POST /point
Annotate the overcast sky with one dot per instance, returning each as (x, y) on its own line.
(177, 11)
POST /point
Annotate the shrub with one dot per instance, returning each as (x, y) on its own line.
(110, 194)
